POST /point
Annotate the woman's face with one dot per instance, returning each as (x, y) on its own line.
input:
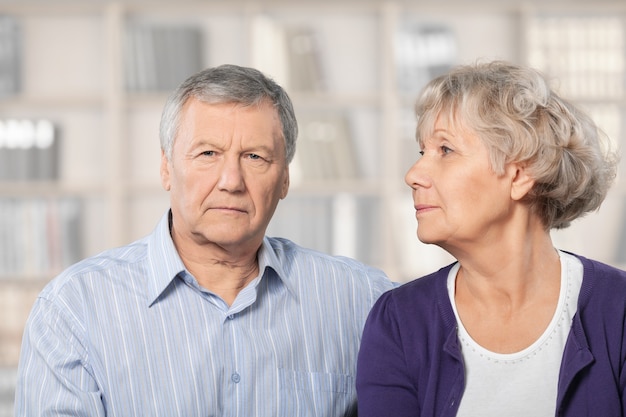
(459, 201)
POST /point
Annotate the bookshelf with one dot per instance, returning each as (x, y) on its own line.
(73, 72)
(585, 50)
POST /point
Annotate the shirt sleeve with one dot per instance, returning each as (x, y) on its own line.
(53, 379)
(384, 386)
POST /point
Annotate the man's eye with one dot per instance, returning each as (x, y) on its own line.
(256, 157)
(445, 150)
(208, 153)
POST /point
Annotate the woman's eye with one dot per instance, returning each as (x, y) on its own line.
(445, 150)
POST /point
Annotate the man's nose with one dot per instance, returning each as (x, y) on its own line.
(231, 175)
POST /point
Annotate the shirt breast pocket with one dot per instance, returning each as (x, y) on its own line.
(320, 393)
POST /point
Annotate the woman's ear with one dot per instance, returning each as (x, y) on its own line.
(521, 182)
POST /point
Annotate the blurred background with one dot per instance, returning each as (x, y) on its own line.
(82, 84)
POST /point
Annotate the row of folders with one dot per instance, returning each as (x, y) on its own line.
(39, 236)
(42, 236)
(158, 56)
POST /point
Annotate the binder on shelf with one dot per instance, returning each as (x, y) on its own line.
(345, 212)
(591, 49)
(15, 304)
(288, 54)
(620, 249)
(338, 224)
(8, 373)
(39, 236)
(325, 149)
(368, 214)
(10, 55)
(269, 48)
(422, 52)
(305, 220)
(160, 57)
(303, 60)
(29, 150)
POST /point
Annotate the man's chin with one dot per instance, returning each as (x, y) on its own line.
(234, 242)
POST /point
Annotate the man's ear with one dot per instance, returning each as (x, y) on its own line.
(521, 181)
(165, 171)
(285, 184)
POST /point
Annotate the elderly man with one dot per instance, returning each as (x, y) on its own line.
(206, 316)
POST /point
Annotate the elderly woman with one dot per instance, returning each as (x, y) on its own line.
(515, 327)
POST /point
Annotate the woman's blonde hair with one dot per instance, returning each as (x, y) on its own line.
(521, 119)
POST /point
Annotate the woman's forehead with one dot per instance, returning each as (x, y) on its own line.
(449, 117)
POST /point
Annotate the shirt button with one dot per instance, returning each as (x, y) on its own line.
(235, 377)
(232, 316)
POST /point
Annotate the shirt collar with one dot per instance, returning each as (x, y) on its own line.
(166, 265)
(269, 258)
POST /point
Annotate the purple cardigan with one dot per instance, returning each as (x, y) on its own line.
(410, 362)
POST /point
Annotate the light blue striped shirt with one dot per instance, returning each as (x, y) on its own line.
(130, 332)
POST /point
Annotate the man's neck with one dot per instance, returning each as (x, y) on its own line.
(225, 279)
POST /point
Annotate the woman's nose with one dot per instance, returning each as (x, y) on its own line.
(416, 175)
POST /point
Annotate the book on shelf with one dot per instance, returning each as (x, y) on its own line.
(353, 234)
(10, 55)
(288, 54)
(303, 60)
(306, 220)
(338, 224)
(160, 57)
(8, 378)
(16, 301)
(590, 51)
(620, 248)
(325, 148)
(40, 236)
(29, 150)
(422, 52)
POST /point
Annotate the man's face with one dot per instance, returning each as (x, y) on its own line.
(226, 175)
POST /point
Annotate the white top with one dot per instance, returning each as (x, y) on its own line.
(523, 383)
